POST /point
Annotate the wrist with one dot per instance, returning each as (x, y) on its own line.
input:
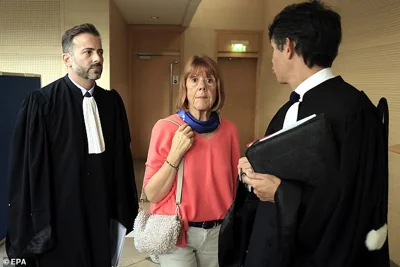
(171, 165)
(173, 159)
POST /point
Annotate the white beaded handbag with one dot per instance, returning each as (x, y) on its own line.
(158, 234)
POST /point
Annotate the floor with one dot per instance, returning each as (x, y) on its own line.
(2, 251)
(131, 257)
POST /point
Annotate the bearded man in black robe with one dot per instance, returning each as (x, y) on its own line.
(72, 191)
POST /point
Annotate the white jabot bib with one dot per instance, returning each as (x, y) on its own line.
(308, 84)
(94, 131)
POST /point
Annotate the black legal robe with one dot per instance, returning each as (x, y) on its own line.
(333, 218)
(61, 198)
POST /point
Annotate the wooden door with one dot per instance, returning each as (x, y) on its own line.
(239, 76)
(150, 97)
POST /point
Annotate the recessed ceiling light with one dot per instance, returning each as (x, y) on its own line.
(155, 17)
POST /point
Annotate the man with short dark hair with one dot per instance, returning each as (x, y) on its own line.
(332, 223)
(71, 188)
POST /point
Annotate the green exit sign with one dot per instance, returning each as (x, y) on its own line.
(238, 48)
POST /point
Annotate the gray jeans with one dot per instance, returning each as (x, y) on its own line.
(200, 251)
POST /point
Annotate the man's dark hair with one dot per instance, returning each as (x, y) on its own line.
(70, 34)
(314, 28)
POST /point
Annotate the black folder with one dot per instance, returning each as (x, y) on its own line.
(306, 152)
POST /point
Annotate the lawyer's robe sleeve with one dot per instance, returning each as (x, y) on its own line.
(29, 213)
(124, 177)
(361, 206)
(287, 201)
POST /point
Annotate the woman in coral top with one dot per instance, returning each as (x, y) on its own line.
(210, 147)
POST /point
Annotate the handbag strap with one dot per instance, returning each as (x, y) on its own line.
(178, 198)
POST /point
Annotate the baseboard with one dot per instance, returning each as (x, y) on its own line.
(392, 264)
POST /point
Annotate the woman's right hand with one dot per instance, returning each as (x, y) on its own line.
(182, 141)
(161, 182)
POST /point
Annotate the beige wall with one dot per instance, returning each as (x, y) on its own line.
(270, 94)
(369, 59)
(30, 34)
(199, 37)
(119, 59)
(30, 39)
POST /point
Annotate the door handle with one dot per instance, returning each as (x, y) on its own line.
(171, 84)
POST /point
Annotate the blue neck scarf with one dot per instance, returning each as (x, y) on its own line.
(200, 126)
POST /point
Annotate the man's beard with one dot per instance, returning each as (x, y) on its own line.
(88, 74)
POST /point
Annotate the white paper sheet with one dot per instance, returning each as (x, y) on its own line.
(117, 239)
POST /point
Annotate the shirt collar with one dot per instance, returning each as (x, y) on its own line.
(91, 90)
(314, 80)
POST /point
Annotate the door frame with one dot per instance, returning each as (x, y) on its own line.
(224, 37)
(135, 56)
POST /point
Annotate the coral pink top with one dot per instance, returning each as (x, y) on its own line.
(210, 172)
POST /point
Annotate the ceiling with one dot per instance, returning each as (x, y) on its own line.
(170, 12)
